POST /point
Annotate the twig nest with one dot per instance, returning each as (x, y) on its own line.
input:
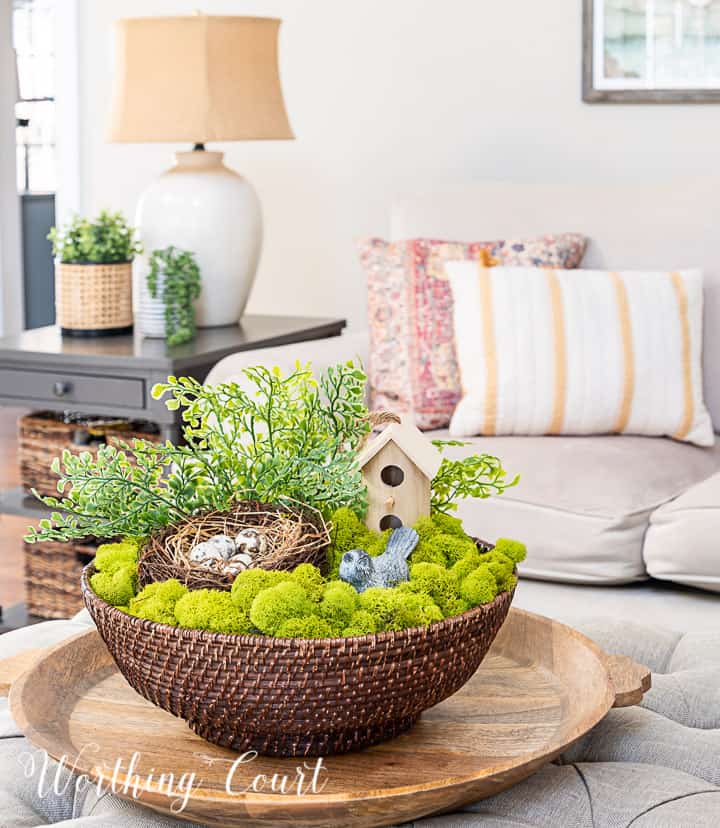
(251, 542)
(216, 548)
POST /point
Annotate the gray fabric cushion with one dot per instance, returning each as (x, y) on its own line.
(653, 766)
(583, 504)
(681, 541)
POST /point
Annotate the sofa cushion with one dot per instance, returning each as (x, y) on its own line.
(681, 544)
(583, 504)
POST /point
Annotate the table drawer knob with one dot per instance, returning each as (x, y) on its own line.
(62, 389)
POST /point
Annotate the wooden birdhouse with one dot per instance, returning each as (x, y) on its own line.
(398, 466)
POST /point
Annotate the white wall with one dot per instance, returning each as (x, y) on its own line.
(11, 297)
(389, 97)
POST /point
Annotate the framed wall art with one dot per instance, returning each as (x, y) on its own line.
(651, 51)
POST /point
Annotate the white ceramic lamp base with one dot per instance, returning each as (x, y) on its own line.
(203, 206)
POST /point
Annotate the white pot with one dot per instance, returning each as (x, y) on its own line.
(150, 312)
(202, 206)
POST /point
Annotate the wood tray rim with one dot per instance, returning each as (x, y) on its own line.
(546, 753)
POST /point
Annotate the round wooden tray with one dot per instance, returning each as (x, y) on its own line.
(542, 686)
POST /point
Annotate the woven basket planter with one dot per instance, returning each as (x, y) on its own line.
(93, 299)
(297, 697)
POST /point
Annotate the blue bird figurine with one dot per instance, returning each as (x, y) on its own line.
(362, 571)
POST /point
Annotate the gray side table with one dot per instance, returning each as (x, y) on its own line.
(114, 375)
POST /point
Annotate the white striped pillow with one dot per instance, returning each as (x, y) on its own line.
(579, 352)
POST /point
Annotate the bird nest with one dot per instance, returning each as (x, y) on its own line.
(293, 535)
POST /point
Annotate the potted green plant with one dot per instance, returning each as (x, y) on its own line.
(168, 294)
(93, 274)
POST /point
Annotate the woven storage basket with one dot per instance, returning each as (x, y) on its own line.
(52, 577)
(93, 299)
(297, 697)
(43, 435)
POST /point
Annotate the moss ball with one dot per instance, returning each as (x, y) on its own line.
(347, 532)
(117, 587)
(273, 606)
(310, 579)
(361, 623)
(213, 610)
(479, 587)
(376, 542)
(448, 525)
(453, 547)
(110, 557)
(440, 584)
(157, 601)
(251, 582)
(512, 549)
(426, 528)
(338, 604)
(396, 609)
(311, 626)
(462, 568)
(427, 552)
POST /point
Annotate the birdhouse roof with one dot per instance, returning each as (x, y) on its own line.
(411, 441)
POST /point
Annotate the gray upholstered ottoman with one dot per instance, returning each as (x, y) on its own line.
(655, 765)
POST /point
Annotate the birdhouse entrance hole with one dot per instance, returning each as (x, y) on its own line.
(390, 522)
(392, 475)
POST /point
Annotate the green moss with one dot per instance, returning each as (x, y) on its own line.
(213, 610)
(310, 579)
(448, 525)
(398, 609)
(338, 604)
(361, 623)
(512, 549)
(502, 568)
(117, 587)
(440, 584)
(377, 542)
(453, 547)
(157, 601)
(479, 587)
(462, 568)
(426, 528)
(251, 582)
(310, 626)
(110, 557)
(272, 607)
(348, 532)
(426, 552)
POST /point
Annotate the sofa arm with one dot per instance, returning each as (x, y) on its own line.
(320, 352)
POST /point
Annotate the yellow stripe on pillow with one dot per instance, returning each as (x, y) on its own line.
(544, 351)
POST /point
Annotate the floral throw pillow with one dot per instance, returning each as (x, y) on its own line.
(413, 363)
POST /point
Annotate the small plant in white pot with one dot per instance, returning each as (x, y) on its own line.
(168, 295)
(93, 274)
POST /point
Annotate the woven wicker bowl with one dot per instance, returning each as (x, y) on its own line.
(294, 697)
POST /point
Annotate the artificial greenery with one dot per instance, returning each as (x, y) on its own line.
(175, 276)
(289, 438)
(108, 239)
(304, 604)
(478, 475)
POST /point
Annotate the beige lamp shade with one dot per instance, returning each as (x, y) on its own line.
(198, 79)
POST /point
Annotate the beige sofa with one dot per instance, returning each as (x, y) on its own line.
(595, 510)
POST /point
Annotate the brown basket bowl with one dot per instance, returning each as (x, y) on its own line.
(296, 697)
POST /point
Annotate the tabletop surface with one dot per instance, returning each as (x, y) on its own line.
(210, 343)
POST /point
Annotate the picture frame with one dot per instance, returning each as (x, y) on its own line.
(651, 51)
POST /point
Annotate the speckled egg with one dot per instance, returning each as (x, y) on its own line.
(217, 548)
(251, 542)
(237, 564)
